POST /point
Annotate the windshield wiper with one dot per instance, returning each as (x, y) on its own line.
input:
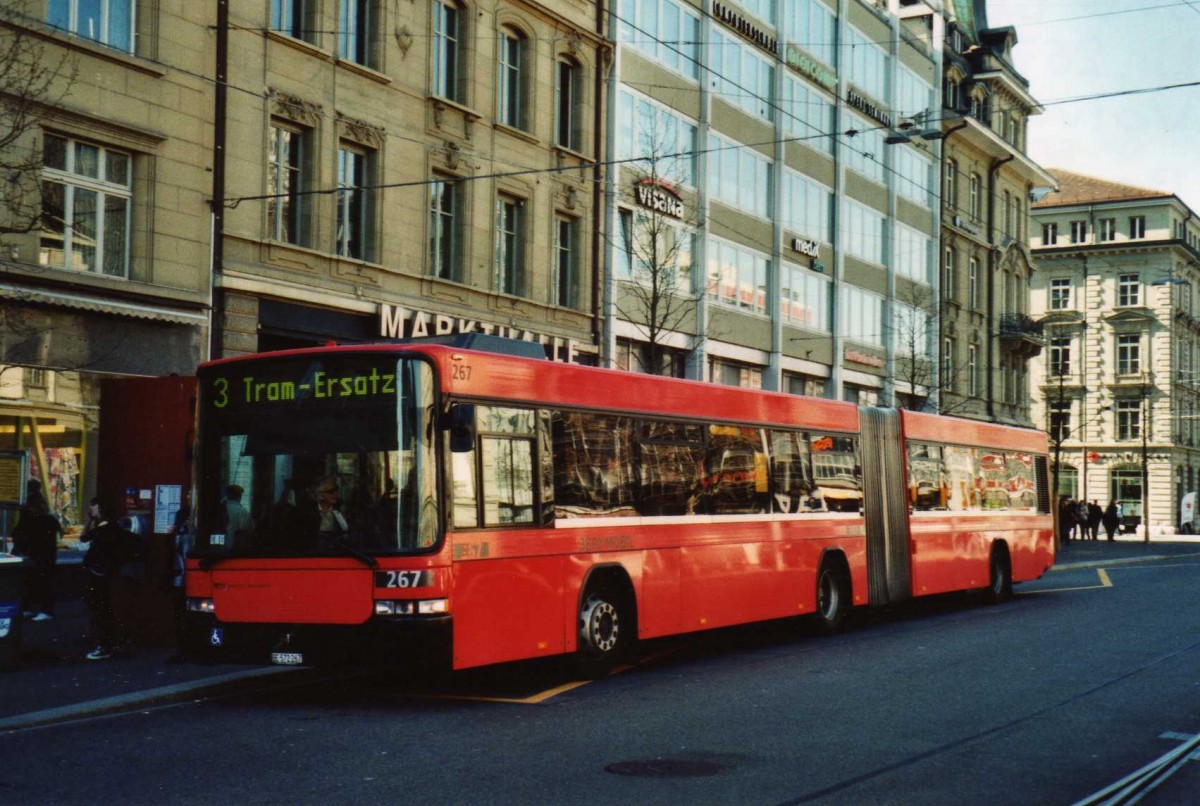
(340, 543)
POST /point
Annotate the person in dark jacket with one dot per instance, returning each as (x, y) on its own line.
(36, 539)
(109, 546)
(1095, 516)
(1111, 518)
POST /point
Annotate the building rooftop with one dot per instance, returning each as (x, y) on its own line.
(1076, 188)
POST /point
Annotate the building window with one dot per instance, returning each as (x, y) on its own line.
(444, 229)
(510, 252)
(109, 22)
(1060, 293)
(948, 271)
(35, 376)
(654, 251)
(86, 203)
(1137, 227)
(975, 198)
(356, 31)
(1060, 420)
(568, 109)
(973, 283)
(739, 177)
(634, 356)
(1010, 215)
(287, 177)
(951, 182)
(737, 276)
(1129, 288)
(730, 373)
(953, 93)
(1129, 419)
(1060, 356)
(566, 261)
(948, 365)
(1129, 353)
(973, 370)
(1107, 230)
(510, 79)
(447, 41)
(1049, 234)
(1078, 232)
(354, 207)
(664, 30)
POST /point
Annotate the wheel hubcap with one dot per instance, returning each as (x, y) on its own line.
(600, 625)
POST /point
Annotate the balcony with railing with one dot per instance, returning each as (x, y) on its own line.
(1022, 333)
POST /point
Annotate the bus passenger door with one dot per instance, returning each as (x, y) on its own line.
(889, 564)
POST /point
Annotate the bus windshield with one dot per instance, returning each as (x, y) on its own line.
(327, 454)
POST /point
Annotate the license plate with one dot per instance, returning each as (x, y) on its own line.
(287, 658)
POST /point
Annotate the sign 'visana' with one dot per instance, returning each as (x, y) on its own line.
(659, 197)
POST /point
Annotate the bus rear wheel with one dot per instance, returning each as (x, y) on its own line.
(833, 599)
(604, 632)
(1000, 583)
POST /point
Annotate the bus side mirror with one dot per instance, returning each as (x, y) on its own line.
(460, 422)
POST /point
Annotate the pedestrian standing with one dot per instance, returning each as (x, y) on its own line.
(36, 539)
(1066, 519)
(1111, 518)
(1081, 518)
(108, 547)
(1095, 515)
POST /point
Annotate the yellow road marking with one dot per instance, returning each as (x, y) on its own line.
(1105, 582)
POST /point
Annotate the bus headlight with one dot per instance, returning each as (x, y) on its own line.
(201, 606)
(424, 607)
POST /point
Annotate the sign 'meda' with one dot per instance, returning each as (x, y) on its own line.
(658, 196)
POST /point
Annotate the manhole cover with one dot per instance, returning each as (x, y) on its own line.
(666, 768)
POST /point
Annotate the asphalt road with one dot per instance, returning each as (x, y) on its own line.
(1085, 677)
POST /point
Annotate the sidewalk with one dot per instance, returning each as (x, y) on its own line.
(54, 682)
(1125, 548)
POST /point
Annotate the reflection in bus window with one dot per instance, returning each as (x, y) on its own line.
(507, 440)
(1020, 484)
(963, 493)
(593, 465)
(792, 485)
(672, 455)
(837, 472)
(736, 470)
(927, 488)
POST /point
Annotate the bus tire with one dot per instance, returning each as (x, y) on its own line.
(605, 631)
(1000, 577)
(833, 598)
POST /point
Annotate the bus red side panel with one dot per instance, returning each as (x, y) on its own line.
(507, 609)
(952, 553)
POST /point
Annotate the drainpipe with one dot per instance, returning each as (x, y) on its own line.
(598, 218)
(991, 297)
(217, 249)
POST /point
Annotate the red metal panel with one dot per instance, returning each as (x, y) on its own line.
(958, 431)
(507, 609)
(293, 596)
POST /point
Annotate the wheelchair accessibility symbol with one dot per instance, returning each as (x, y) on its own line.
(216, 636)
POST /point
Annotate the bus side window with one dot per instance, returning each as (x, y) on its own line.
(960, 472)
(671, 460)
(593, 465)
(735, 473)
(792, 486)
(507, 449)
(926, 478)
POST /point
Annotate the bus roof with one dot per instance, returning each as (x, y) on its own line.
(524, 380)
(960, 431)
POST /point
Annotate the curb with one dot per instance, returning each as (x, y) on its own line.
(156, 696)
(1120, 561)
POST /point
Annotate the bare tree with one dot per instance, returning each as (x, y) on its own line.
(33, 81)
(659, 296)
(929, 385)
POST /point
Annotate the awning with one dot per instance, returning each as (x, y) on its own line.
(101, 305)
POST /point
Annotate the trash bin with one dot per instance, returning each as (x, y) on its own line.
(12, 583)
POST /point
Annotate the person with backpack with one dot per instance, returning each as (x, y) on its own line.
(109, 548)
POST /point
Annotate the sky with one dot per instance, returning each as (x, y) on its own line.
(1071, 50)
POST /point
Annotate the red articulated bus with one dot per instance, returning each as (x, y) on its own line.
(395, 498)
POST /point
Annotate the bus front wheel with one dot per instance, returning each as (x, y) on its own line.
(604, 632)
